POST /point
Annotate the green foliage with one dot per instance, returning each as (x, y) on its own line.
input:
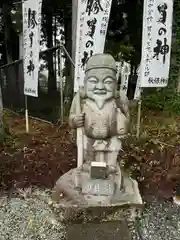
(154, 99)
(127, 52)
(173, 103)
(165, 99)
(5, 136)
(125, 30)
(114, 48)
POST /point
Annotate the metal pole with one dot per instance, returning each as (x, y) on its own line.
(67, 54)
(61, 86)
(20, 60)
(26, 115)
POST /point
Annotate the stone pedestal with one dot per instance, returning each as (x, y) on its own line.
(96, 210)
(100, 223)
(78, 188)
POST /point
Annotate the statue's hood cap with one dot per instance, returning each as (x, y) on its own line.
(101, 61)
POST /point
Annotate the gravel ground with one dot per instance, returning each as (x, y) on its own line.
(160, 221)
(27, 216)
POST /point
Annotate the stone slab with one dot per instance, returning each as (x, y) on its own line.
(111, 230)
(98, 187)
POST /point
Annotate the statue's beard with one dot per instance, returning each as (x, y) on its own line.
(100, 99)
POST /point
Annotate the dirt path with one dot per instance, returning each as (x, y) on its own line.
(38, 158)
(42, 156)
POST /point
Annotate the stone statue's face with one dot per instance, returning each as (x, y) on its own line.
(100, 85)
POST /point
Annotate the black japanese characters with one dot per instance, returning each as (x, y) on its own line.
(92, 27)
(162, 8)
(32, 18)
(93, 6)
(30, 67)
(91, 23)
(162, 47)
(161, 31)
(85, 58)
(157, 49)
(31, 35)
(89, 44)
(164, 50)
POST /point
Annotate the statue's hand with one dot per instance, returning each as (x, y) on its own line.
(79, 120)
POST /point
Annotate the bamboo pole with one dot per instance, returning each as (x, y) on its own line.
(79, 138)
(26, 115)
(138, 119)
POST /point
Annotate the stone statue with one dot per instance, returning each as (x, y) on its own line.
(103, 116)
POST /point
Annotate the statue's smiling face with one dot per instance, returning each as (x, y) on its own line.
(100, 84)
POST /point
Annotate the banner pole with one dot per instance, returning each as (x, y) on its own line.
(79, 131)
(26, 115)
(80, 138)
(138, 119)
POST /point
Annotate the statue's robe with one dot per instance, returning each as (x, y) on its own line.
(105, 125)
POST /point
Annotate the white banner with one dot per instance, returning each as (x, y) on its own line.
(156, 43)
(119, 67)
(92, 23)
(125, 72)
(31, 40)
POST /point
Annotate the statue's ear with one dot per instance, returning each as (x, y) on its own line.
(82, 92)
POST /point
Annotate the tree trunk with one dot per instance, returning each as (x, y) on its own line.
(10, 72)
(51, 74)
(68, 44)
(2, 131)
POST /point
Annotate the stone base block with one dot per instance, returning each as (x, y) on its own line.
(111, 230)
(77, 188)
(110, 222)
